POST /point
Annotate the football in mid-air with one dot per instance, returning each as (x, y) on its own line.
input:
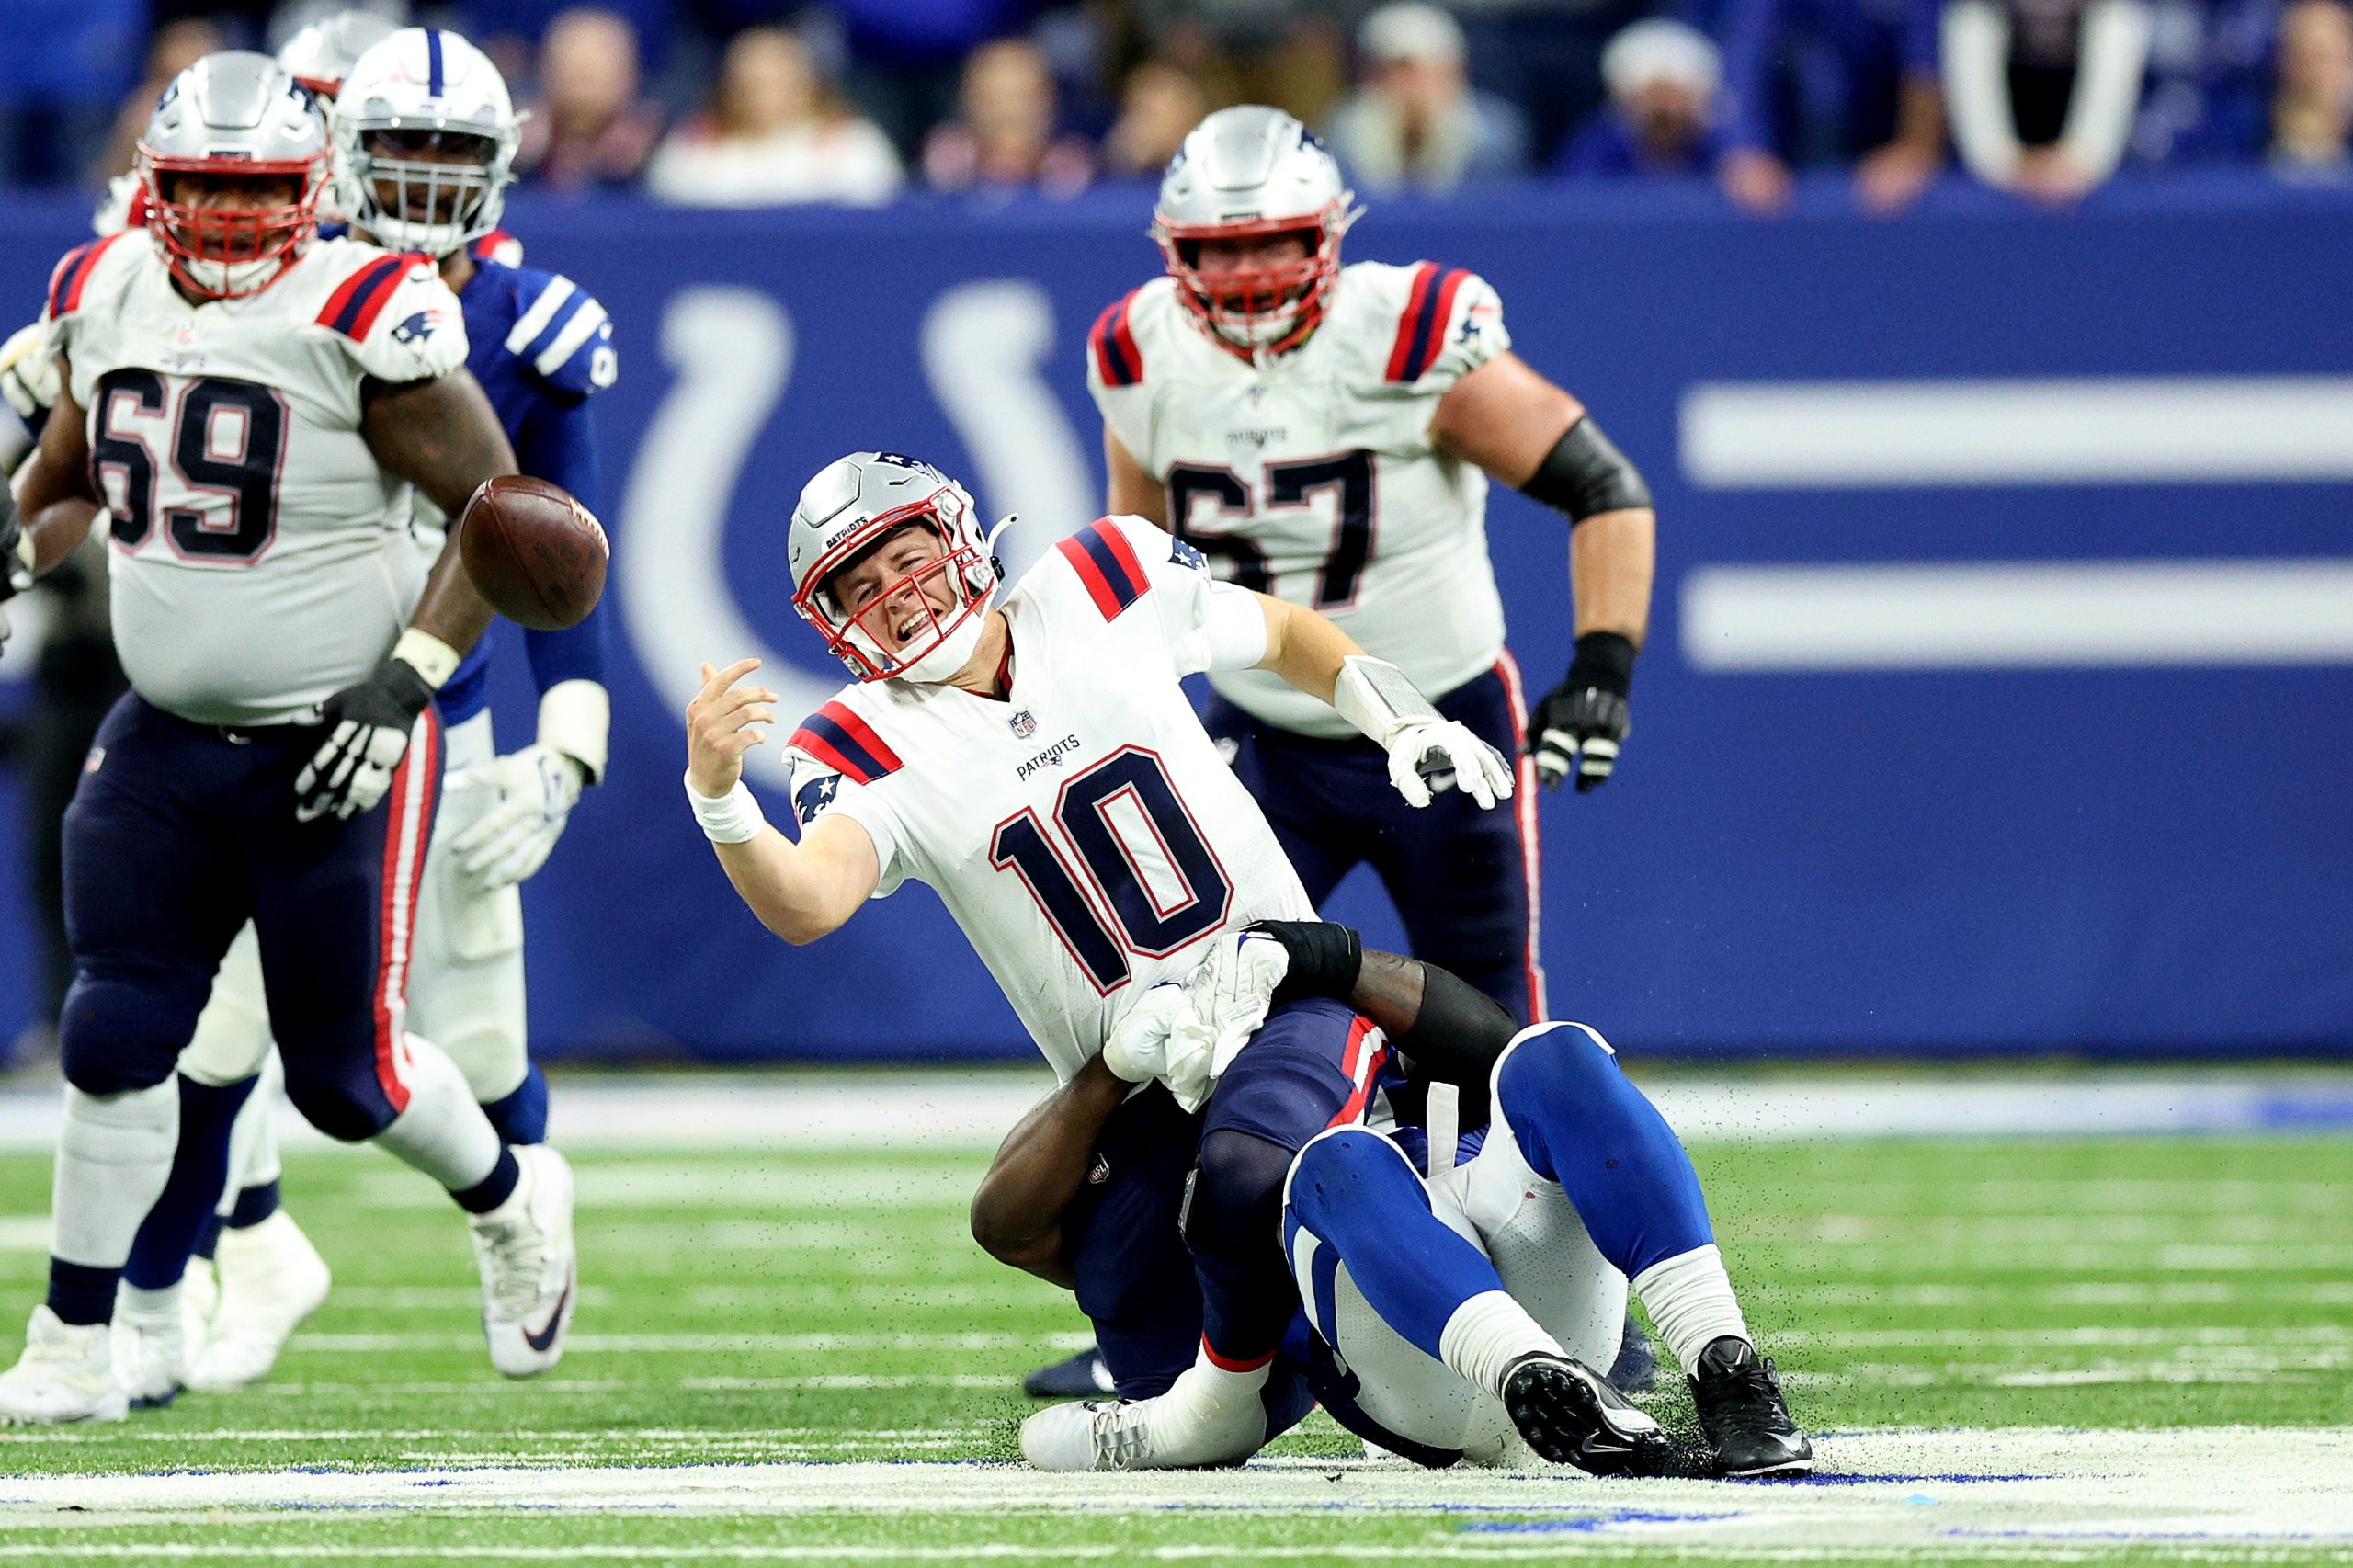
(534, 552)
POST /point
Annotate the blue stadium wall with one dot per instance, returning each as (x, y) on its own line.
(1998, 697)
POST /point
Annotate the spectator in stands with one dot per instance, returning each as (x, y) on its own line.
(1663, 80)
(1832, 82)
(774, 134)
(907, 57)
(2042, 92)
(1004, 137)
(1415, 123)
(2311, 113)
(1158, 105)
(1291, 53)
(176, 47)
(589, 128)
(63, 66)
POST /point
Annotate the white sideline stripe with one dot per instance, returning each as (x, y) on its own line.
(962, 1112)
(2018, 615)
(2110, 431)
(656, 1343)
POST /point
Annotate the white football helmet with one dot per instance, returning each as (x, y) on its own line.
(1245, 172)
(424, 140)
(853, 504)
(234, 117)
(320, 55)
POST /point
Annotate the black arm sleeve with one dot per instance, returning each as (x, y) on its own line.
(1585, 475)
(1456, 1037)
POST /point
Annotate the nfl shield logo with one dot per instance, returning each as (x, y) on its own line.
(1022, 725)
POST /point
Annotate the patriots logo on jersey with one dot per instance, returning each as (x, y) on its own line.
(418, 327)
(1184, 555)
(814, 797)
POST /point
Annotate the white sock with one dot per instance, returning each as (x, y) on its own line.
(443, 1132)
(133, 1301)
(1486, 1334)
(1209, 1415)
(114, 1154)
(1690, 1301)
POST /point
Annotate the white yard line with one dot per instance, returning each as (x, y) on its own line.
(2015, 1493)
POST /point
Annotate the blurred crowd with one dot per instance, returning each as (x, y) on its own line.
(743, 103)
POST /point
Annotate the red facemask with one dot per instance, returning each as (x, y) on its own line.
(227, 253)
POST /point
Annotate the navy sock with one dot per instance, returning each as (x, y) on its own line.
(254, 1205)
(208, 1240)
(1582, 1123)
(81, 1292)
(1354, 1192)
(167, 1236)
(522, 1117)
(493, 1189)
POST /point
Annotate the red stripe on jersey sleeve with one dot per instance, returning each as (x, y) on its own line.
(863, 733)
(1410, 318)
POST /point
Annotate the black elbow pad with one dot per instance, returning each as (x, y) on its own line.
(1585, 475)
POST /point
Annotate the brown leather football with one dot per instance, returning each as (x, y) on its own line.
(533, 552)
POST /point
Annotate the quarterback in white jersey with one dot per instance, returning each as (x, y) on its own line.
(248, 409)
(1036, 762)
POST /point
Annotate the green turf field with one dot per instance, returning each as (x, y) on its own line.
(769, 1311)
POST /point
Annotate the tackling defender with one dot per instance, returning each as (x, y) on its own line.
(1455, 1294)
(425, 135)
(1036, 762)
(259, 404)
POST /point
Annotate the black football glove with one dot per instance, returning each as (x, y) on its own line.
(368, 727)
(1580, 723)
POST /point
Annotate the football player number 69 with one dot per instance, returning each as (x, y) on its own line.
(1113, 819)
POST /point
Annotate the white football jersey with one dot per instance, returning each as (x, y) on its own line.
(261, 558)
(1310, 475)
(1084, 831)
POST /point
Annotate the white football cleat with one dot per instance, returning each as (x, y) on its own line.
(1189, 1427)
(271, 1278)
(529, 1270)
(66, 1374)
(150, 1351)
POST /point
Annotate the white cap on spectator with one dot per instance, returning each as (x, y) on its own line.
(1411, 30)
(1659, 50)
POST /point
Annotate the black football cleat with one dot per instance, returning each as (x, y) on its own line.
(1570, 1415)
(1742, 1411)
(1083, 1375)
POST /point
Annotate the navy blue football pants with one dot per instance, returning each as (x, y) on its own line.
(1464, 881)
(1176, 1235)
(182, 831)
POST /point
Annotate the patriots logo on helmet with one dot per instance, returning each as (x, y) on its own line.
(418, 327)
(899, 460)
(1184, 555)
(814, 797)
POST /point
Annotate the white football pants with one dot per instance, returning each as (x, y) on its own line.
(1531, 1231)
(465, 988)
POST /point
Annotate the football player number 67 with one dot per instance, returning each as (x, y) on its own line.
(1121, 844)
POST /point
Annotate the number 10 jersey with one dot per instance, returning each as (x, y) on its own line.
(1084, 831)
(261, 557)
(1310, 475)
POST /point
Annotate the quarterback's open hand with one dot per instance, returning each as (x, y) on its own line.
(1440, 755)
(722, 725)
(533, 791)
(1581, 722)
(368, 727)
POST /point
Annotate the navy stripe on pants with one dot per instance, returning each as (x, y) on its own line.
(180, 833)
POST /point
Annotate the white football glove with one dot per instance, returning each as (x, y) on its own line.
(534, 790)
(1426, 753)
(1163, 1035)
(1232, 991)
(28, 372)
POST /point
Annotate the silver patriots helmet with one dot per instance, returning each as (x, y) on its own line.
(425, 140)
(848, 511)
(1245, 172)
(228, 123)
(320, 55)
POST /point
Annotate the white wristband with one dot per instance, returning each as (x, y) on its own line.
(428, 655)
(733, 818)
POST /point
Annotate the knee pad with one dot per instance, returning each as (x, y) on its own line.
(1338, 1167)
(344, 1111)
(116, 1035)
(1235, 1196)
